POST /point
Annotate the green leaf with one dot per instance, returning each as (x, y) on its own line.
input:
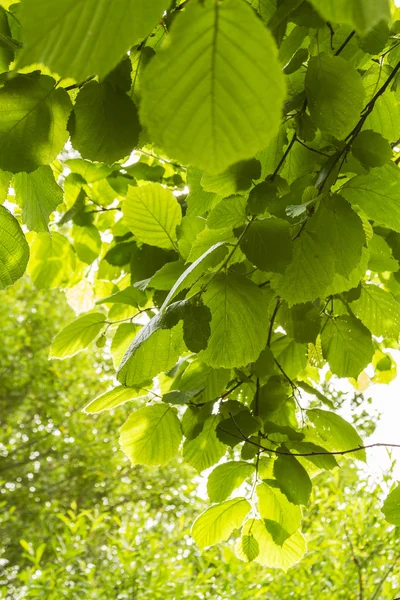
(154, 350)
(87, 243)
(380, 255)
(268, 245)
(237, 178)
(347, 346)
(199, 201)
(342, 228)
(362, 15)
(271, 554)
(335, 94)
(377, 194)
(130, 296)
(238, 310)
(196, 327)
(371, 149)
(39, 195)
(335, 433)
(104, 124)
(151, 435)
(179, 397)
(226, 478)
(391, 506)
(281, 517)
(52, 261)
(231, 430)
(378, 311)
(114, 398)
(247, 548)
(187, 232)
(14, 249)
(77, 336)
(57, 35)
(217, 522)
(291, 356)
(205, 111)
(301, 322)
(204, 450)
(31, 107)
(230, 212)
(152, 213)
(310, 272)
(122, 339)
(293, 479)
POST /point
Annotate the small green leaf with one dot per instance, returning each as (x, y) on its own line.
(347, 346)
(204, 450)
(238, 178)
(130, 296)
(14, 249)
(151, 435)
(378, 311)
(217, 522)
(52, 261)
(39, 195)
(371, 149)
(361, 15)
(238, 309)
(391, 506)
(104, 124)
(30, 107)
(77, 335)
(377, 194)
(226, 478)
(335, 432)
(152, 213)
(247, 548)
(268, 245)
(114, 398)
(293, 479)
(335, 94)
(87, 243)
(230, 212)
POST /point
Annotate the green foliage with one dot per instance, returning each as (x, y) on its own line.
(231, 285)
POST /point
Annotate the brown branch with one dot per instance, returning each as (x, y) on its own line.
(271, 323)
(245, 438)
(284, 157)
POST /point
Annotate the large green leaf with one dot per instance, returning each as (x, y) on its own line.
(104, 124)
(151, 435)
(205, 99)
(227, 477)
(347, 346)
(377, 194)
(362, 15)
(230, 212)
(77, 39)
(204, 450)
(77, 335)
(14, 249)
(391, 507)
(281, 517)
(378, 311)
(152, 213)
(33, 122)
(271, 554)
(39, 195)
(238, 322)
(217, 523)
(267, 244)
(335, 433)
(335, 94)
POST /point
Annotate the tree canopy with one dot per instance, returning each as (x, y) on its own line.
(215, 185)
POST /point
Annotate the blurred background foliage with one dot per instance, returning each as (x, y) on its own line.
(77, 522)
